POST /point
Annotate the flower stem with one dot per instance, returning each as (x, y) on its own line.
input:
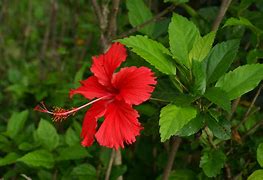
(176, 141)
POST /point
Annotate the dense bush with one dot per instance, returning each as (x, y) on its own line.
(203, 121)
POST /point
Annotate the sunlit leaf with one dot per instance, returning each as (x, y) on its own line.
(173, 118)
(152, 51)
(256, 175)
(182, 35)
(212, 162)
(241, 80)
(220, 58)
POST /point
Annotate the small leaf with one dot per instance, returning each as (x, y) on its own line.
(47, 135)
(212, 162)
(10, 158)
(256, 175)
(177, 1)
(38, 158)
(220, 129)
(16, 123)
(84, 170)
(242, 22)
(44, 175)
(202, 46)
(72, 153)
(260, 154)
(118, 171)
(199, 73)
(71, 137)
(193, 126)
(182, 35)
(220, 58)
(219, 97)
(152, 51)
(173, 118)
(138, 13)
(241, 80)
(26, 146)
(254, 55)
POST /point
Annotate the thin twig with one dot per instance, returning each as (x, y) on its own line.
(253, 128)
(25, 176)
(210, 138)
(222, 11)
(176, 141)
(155, 18)
(245, 118)
(107, 176)
(113, 19)
(102, 14)
(228, 171)
(97, 10)
(234, 108)
(118, 161)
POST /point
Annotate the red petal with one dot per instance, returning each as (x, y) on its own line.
(120, 125)
(90, 89)
(89, 125)
(134, 84)
(104, 65)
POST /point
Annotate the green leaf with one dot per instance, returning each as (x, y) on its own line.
(38, 158)
(221, 128)
(10, 158)
(118, 171)
(173, 118)
(202, 46)
(182, 174)
(177, 1)
(26, 146)
(81, 71)
(220, 58)
(193, 126)
(212, 162)
(138, 13)
(72, 153)
(44, 175)
(182, 35)
(105, 154)
(256, 175)
(199, 73)
(71, 137)
(241, 80)
(152, 51)
(16, 123)
(254, 55)
(260, 154)
(47, 135)
(165, 91)
(84, 170)
(242, 22)
(219, 97)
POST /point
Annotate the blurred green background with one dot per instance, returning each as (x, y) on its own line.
(46, 48)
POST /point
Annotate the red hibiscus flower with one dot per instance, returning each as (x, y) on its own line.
(114, 95)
